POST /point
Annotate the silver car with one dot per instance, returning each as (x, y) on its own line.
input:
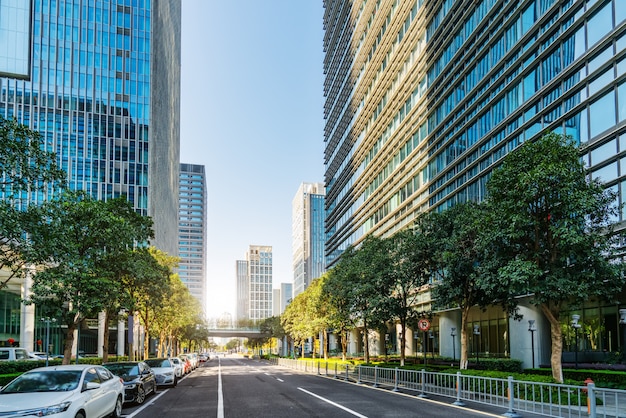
(165, 371)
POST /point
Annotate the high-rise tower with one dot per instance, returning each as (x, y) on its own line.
(254, 284)
(192, 230)
(308, 237)
(101, 81)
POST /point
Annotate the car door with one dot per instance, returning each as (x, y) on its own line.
(110, 386)
(95, 399)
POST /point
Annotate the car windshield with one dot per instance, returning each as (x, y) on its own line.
(44, 381)
(159, 363)
(123, 369)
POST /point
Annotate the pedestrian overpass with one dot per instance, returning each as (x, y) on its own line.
(237, 333)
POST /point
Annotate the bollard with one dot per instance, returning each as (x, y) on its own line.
(423, 377)
(336, 376)
(375, 376)
(347, 369)
(358, 375)
(458, 401)
(591, 400)
(395, 387)
(510, 396)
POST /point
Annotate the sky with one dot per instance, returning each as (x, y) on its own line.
(252, 114)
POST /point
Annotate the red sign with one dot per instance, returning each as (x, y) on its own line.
(423, 324)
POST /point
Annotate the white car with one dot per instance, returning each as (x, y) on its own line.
(69, 391)
(165, 371)
(180, 368)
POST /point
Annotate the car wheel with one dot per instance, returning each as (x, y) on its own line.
(117, 412)
(79, 415)
(141, 395)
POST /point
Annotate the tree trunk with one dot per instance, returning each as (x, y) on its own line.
(105, 343)
(69, 341)
(344, 345)
(464, 349)
(557, 341)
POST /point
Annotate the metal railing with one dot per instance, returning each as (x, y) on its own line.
(515, 396)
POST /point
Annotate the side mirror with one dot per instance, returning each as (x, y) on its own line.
(91, 386)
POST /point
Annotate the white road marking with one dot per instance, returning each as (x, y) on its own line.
(220, 395)
(333, 403)
(279, 379)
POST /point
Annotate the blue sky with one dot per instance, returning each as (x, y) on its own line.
(252, 114)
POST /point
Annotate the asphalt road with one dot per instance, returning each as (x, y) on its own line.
(234, 387)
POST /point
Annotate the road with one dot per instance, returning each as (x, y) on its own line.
(235, 387)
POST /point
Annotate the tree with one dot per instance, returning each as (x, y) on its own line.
(296, 320)
(364, 275)
(407, 270)
(25, 167)
(73, 238)
(553, 228)
(335, 291)
(462, 255)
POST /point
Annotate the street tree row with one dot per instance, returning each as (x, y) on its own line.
(545, 231)
(84, 256)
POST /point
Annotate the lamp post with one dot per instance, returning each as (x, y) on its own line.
(622, 322)
(576, 327)
(47, 321)
(453, 335)
(532, 327)
(476, 337)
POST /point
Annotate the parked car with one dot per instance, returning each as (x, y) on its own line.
(164, 370)
(180, 366)
(14, 354)
(38, 355)
(202, 357)
(70, 391)
(139, 379)
(186, 364)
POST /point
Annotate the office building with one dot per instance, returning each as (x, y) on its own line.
(192, 230)
(254, 284)
(308, 236)
(101, 81)
(286, 295)
(425, 98)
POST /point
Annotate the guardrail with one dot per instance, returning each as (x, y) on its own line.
(515, 396)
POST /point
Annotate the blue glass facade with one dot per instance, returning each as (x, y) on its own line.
(423, 102)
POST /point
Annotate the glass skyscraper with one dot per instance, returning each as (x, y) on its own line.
(101, 81)
(425, 98)
(192, 230)
(103, 88)
(308, 237)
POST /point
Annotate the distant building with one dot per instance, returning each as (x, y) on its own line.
(254, 284)
(308, 236)
(192, 230)
(243, 290)
(276, 302)
(286, 295)
(282, 298)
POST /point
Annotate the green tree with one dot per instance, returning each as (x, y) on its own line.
(25, 167)
(296, 320)
(336, 292)
(407, 270)
(74, 237)
(553, 228)
(364, 272)
(463, 262)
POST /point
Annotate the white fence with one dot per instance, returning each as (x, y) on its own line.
(513, 396)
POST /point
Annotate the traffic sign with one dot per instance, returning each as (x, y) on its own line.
(423, 324)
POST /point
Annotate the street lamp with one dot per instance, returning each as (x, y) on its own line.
(47, 321)
(622, 322)
(532, 327)
(453, 335)
(576, 327)
(476, 337)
